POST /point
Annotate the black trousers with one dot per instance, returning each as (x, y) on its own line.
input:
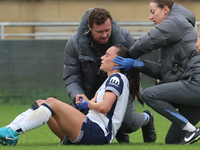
(175, 134)
(165, 98)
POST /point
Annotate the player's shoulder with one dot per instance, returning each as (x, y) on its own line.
(116, 79)
(115, 75)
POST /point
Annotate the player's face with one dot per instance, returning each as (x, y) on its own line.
(157, 14)
(101, 33)
(107, 63)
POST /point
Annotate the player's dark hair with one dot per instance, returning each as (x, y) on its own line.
(98, 15)
(133, 75)
(162, 3)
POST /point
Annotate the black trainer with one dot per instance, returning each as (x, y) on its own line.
(148, 131)
(122, 137)
(191, 137)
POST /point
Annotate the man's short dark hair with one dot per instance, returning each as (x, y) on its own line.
(98, 15)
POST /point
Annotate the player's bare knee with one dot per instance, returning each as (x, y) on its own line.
(39, 102)
(50, 100)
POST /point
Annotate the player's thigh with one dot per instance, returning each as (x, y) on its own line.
(68, 118)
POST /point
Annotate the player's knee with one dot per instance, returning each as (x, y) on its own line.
(39, 102)
(50, 100)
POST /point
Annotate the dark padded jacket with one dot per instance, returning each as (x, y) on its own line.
(175, 37)
(80, 67)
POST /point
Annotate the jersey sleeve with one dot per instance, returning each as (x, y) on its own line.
(115, 84)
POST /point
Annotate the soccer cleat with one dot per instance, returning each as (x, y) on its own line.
(122, 137)
(191, 137)
(148, 131)
(8, 136)
(3, 143)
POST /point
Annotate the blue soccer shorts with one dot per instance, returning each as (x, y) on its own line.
(91, 134)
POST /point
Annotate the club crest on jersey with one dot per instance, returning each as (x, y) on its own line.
(114, 81)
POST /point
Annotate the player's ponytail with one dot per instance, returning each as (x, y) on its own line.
(133, 76)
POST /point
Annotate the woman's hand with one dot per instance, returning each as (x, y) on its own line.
(82, 101)
(127, 63)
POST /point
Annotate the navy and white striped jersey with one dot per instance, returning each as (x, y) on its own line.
(111, 121)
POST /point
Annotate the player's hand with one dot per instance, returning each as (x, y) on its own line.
(82, 101)
(83, 105)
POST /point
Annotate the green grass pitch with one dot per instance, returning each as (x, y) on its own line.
(43, 139)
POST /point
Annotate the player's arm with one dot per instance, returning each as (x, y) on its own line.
(94, 99)
(104, 106)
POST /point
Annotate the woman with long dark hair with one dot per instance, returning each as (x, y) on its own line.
(106, 109)
(178, 97)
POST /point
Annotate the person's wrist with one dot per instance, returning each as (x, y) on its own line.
(138, 63)
(89, 104)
